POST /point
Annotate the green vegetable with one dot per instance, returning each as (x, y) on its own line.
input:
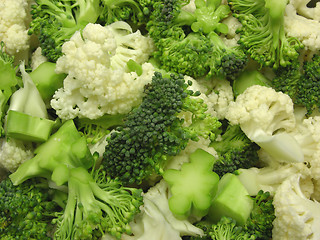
(28, 128)
(235, 150)
(301, 83)
(46, 80)
(55, 21)
(262, 32)
(247, 79)
(189, 43)
(193, 187)
(8, 80)
(26, 211)
(154, 132)
(94, 204)
(231, 200)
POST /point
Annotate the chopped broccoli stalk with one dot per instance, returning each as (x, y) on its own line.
(262, 32)
(193, 187)
(231, 200)
(28, 128)
(208, 15)
(26, 211)
(155, 131)
(247, 79)
(46, 80)
(235, 150)
(64, 147)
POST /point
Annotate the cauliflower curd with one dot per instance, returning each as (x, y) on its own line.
(98, 80)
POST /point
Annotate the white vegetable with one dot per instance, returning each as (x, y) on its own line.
(297, 217)
(98, 80)
(266, 116)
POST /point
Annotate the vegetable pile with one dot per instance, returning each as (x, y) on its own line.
(159, 119)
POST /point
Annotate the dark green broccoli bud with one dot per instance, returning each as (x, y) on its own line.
(26, 211)
(55, 21)
(308, 88)
(235, 150)
(262, 32)
(261, 217)
(95, 206)
(153, 132)
(227, 62)
(301, 83)
(8, 80)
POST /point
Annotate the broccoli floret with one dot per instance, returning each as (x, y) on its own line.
(8, 81)
(226, 61)
(154, 131)
(259, 224)
(55, 21)
(301, 83)
(183, 39)
(193, 187)
(26, 211)
(95, 206)
(262, 33)
(235, 150)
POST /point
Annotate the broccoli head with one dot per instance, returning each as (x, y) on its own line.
(188, 43)
(26, 211)
(262, 32)
(155, 130)
(235, 150)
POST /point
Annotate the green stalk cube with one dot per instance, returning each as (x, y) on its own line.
(28, 128)
(231, 200)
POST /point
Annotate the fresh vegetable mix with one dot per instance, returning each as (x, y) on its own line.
(159, 120)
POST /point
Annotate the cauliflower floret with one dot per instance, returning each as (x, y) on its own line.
(98, 80)
(266, 116)
(297, 217)
(302, 7)
(14, 21)
(306, 30)
(13, 153)
(156, 221)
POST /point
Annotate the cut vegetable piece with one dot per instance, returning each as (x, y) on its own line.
(231, 200)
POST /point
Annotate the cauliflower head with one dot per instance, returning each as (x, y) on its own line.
(297, 216)
(14, 21)
(98, 80)
(266, 116)
(13, 153)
